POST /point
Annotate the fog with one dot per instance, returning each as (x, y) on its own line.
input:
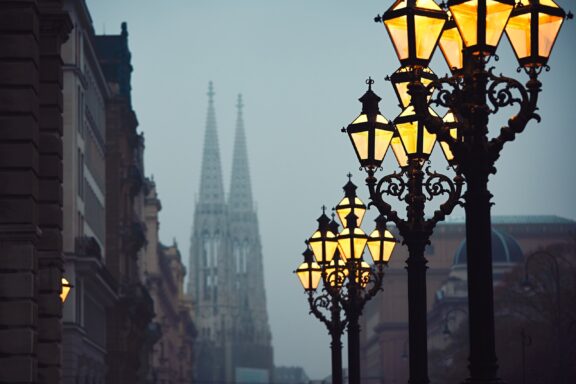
(301, 66)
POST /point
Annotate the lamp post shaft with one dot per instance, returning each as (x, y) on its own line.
(483, 363)
(416, 238)
(353, 350)
(336, 344)
(476, 167)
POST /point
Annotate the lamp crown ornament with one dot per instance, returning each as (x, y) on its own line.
(370, 100)
(323, 221)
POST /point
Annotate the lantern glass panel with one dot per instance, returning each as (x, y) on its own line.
(451, 45)
(381, 245)
(309, 275)
(449, 118)
(549, 28)
(428, 30)
(363, 118)
(323, 247)
(466, 17)
(399, 151)
(360, 140)
(497, 15)
(352, 243)
(402, 89)
(411, 132)
(382, 141)
(343, 209)
(398, 31)
(518, 31)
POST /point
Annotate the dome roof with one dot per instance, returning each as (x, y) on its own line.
(504, 250)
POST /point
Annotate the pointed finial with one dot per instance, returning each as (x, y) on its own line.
(333, 224)
(369, 82)
(240, 104)
(349, 176)
(210, 92)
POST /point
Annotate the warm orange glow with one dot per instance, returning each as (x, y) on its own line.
(323, 246)
(450, 121)
(399, 151)
(351, 243)
(309, 275)
(66, 286)
(381, 244)
(427, 19)
(468, 19)
(404, 76)
(452, 46)
(414, 135)
(533, 43)
(370, 135)
(344, 208)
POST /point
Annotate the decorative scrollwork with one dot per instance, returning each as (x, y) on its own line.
(438, 184)
(500, 92)
(392, 185)
(322, 301)
(446, 98)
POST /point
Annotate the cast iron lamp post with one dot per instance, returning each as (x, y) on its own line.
(473, 93)
(348, 281)
(412, 145)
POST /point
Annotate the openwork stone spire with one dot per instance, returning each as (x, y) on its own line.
(211, 185)
(240, 198)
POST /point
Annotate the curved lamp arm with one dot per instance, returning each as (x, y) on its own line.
(395, 187)
(439, 184)
(503, 97)
(324, 301)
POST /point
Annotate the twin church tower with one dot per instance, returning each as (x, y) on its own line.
(226, 277)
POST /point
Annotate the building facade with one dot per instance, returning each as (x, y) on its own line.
(129, 338)
(163, 275)
(86, 94)
(227, 281)
(384, 345)
(31, 257)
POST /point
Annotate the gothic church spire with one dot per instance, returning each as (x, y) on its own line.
(240, 198)
(211, 185)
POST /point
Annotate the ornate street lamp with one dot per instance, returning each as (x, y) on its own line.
(370, 132)
(532, 30)
(473, 93)
(413, 185)
(348, 281)
(414, 27)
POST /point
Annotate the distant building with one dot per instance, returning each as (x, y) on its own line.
(290, 375)
(163, 275)
(384, 336)
(226, 281)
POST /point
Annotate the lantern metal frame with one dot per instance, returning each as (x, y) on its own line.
(481, 48)
(411, 11)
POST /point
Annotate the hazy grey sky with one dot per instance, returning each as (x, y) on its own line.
(301, 66)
